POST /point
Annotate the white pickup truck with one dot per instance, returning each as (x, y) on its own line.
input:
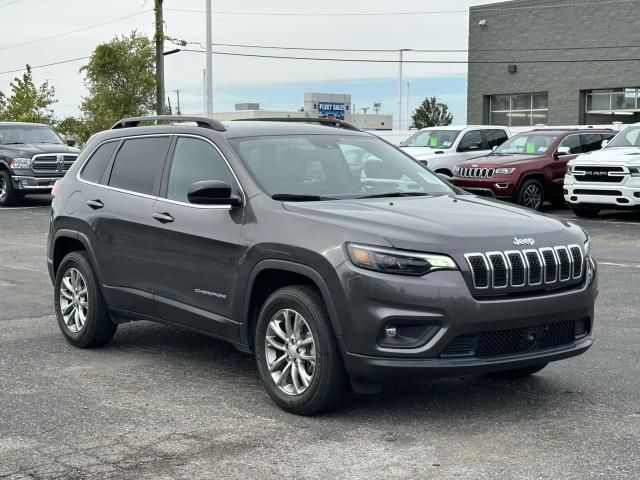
(607, 178)
(444, 148)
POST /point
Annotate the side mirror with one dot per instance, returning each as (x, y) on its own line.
(604, 143)
(563, 151)
(212, 192)
(493, 149)
(71, 142)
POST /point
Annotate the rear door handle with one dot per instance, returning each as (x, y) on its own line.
(163, 217)
(95, 204)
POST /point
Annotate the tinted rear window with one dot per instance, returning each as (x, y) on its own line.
(93, 170)
(139, 163)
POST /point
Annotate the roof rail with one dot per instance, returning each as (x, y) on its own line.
(203, 122)
(327, 122)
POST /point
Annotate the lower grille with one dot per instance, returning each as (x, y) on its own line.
(514, 341)
(608, 193)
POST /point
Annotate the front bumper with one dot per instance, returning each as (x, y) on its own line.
(443, 299)
(33, 184)
(604, 195)
(499, 186)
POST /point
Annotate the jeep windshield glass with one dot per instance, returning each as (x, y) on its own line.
(331, 167)
(627, 138)
(21, 134)
(441, 139)
(526, 144)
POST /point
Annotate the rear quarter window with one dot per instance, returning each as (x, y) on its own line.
(97, 163)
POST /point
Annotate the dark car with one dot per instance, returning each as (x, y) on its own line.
(528, 168)
(32, 158)
(259, 233)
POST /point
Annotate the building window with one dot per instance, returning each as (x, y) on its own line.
(613, 100)
(521, 110)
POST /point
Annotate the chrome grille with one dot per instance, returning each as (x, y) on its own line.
(475, 172)
(601, 174)
(546, 267)
(50, 162)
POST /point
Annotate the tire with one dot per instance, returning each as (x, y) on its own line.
(519, 372)
(8, 195)
(586, 212)
(323, 383)
(76, 273)
(531, 194)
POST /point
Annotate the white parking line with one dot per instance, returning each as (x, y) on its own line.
(623, 265)
(8, 209)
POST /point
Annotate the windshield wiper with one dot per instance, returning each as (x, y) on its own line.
(395, 194)
(294, 197)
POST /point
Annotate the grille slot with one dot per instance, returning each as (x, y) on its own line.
(547, 267)
(516, 340)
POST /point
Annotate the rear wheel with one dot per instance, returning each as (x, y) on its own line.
(81, 310)
(296, 352)
(519, 372)
(531, 194)
(8, 195)
(586, 212)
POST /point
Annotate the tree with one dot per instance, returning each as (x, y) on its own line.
(73, 128)
(120, 77)
(431, 113)
(28, 102)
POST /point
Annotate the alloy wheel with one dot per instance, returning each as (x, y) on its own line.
(3, 188)
(290, 352)
(74, 300)
(532, 197)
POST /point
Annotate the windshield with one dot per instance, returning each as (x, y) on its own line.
(526, 144)
(627, 138)
(442, 139)
(327, 167)
(19, 134)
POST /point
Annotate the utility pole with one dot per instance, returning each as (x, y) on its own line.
(402, 50)
(408, 100)
(159, 39)
(178, 111)
(209, 71)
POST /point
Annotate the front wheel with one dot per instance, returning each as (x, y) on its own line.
(8, 195)
(531, 194)
(296, 352)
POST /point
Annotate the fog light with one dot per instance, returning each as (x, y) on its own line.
(406, 334)
(391, 331)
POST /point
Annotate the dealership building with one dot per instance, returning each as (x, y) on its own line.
(554, 62)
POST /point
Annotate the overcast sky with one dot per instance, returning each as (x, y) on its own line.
(275, 83)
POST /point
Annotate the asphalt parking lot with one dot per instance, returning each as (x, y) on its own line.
(160, 403)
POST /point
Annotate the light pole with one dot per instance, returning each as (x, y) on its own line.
(209, 71)
(408, 99)
(402, 50)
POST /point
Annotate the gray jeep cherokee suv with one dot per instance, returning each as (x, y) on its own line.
(333, 257)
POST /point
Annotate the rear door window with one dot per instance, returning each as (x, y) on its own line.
(573, 142)
(591, 142)
(495, 138)
(139, 163)
(95, 167)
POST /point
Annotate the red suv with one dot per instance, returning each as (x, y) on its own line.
(528, 168)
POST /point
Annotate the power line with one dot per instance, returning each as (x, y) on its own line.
(74, 31)
(504, 8)
(33, 67)
(443, 62)
(9, 3)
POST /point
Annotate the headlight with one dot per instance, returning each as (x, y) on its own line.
(21, 163)
(505, 171)
(398, 262)
(587, 247)
(634, 171)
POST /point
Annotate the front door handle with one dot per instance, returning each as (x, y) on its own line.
(95, 204)
(163, 217)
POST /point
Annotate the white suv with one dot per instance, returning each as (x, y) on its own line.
(443, 148)
(607, 178)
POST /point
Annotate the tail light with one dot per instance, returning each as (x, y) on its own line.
(56, 188)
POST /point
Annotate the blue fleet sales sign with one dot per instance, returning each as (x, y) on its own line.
(331, 110)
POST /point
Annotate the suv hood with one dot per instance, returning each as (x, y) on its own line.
(30, 149)
(424, 153)
(498, 160)
(612, 155)
(446, 223)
